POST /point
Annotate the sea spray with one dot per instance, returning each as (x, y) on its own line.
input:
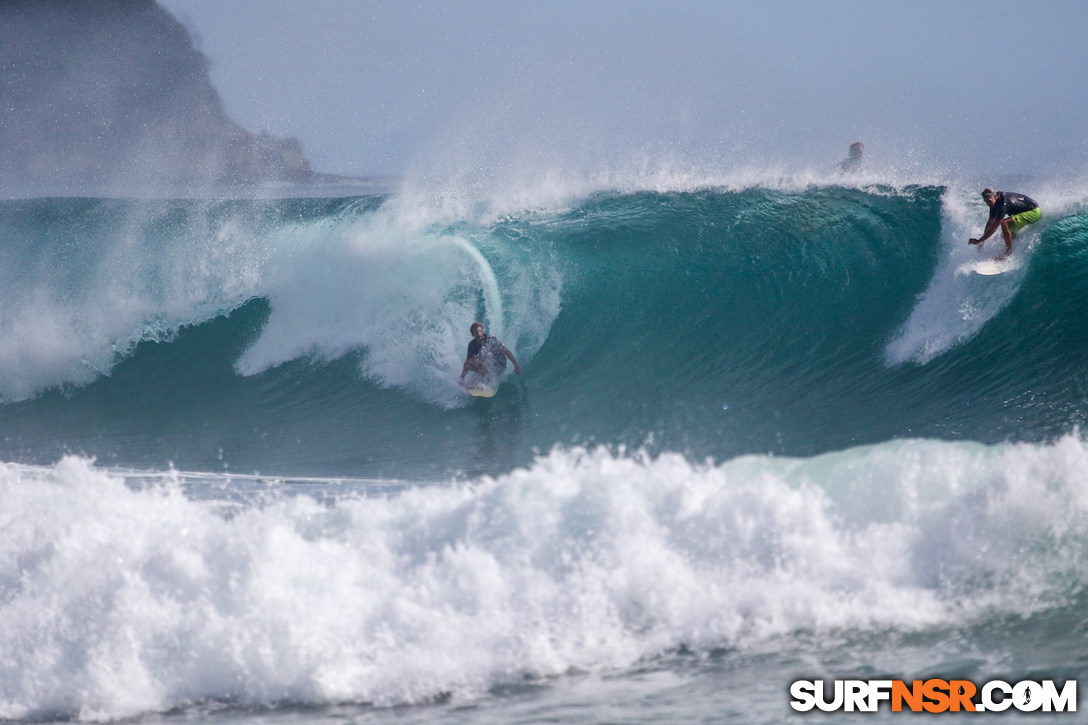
(122, 598)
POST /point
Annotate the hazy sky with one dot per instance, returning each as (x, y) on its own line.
(389, 87)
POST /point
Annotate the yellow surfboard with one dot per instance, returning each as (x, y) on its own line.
(479, 386)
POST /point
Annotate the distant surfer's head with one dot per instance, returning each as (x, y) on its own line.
(475, 326)
(988, 194)
(856, 149)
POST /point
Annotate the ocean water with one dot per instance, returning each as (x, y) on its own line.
(765, 431)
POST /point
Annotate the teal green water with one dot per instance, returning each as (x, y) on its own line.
(761, 435)
(324, 337)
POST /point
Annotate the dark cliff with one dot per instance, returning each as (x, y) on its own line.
(112, 95)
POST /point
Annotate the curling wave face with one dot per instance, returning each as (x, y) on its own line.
(325, 336)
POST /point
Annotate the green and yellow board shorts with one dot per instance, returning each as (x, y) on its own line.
(1021, 220)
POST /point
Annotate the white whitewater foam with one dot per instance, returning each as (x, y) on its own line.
(956, 306)
(120, 600)
(71, 311)
(374, 281)
(404, 295)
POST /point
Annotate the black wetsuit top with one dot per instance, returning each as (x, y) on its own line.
(491, 350)
(1009, 203)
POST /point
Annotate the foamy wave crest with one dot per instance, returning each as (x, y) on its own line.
(121, 599)
(958, 304)
(84, 281)
(405, 295)
(463, 188)
(88, 280)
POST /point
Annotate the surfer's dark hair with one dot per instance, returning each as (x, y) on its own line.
(473, 326)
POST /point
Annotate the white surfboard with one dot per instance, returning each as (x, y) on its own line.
(989, 267)
(992, 266)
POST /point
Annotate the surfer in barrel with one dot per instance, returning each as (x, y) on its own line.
(1009, 211)
(487, 355)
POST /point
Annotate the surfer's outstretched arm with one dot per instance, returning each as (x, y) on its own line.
(991, 227)
(517, 368)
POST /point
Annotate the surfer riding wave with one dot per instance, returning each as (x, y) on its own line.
(1010, 212)
(487, 355)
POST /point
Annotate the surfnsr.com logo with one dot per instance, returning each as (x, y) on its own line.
(933, 695)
